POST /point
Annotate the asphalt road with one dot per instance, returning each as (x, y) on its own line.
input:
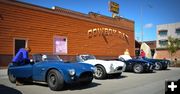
(128, 83)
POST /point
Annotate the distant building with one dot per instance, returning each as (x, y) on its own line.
(166, 30)
(163, 32)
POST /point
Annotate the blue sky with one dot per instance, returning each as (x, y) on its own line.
(154, 12)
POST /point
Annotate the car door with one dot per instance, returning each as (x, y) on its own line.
(22, 71)
(39, 68)
(39, 71)
(129, 64)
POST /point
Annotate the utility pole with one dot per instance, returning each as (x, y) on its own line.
(141, 17)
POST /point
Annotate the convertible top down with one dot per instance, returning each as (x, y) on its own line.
(103, 67)
(136, 65)
(51, 69)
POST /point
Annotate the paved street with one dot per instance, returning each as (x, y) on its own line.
(129, 83)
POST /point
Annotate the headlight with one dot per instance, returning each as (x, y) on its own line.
(148, 64)
(94, 69)
(166, 62)
(72, 72)
(111, 66)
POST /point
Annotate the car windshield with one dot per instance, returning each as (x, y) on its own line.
(87, 57)
(140, 57)
(125, 57)
(44, 57)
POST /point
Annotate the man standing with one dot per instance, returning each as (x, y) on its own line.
(142, 53)
(126, 52)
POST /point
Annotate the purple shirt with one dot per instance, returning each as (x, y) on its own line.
(21, 55)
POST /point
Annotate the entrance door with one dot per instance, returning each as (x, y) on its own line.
(19, 43)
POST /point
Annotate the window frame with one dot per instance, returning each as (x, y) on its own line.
(161, 32)
(18, 38)
(54, 45)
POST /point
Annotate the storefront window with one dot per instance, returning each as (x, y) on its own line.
(60, 45)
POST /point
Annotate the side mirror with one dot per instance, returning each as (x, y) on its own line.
(31, 61)
(60, 59)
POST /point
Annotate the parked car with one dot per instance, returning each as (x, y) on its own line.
(51, 69)
(136, 65)
(103, 67)
(161, 64)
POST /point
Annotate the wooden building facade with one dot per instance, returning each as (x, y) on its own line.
(61, 31)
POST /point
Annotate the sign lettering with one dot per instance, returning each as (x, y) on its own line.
(106, 32)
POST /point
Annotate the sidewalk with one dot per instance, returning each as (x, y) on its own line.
(3, 72)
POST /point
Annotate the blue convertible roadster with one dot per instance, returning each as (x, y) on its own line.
(51, 69)
(136, 65)
(161, 64)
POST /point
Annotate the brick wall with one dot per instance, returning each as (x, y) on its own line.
(165, 54)
(39, 26)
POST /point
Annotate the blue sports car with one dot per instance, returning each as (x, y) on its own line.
(161, 64)
(136, 65)
(51, 69)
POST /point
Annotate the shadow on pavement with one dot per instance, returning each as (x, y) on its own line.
(141, 73)
(75, 86)
(8, 90)
(164, 70)
(80, 86)
(115, 77)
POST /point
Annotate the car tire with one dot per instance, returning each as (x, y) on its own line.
(158, 66)
(100, 72)
(138, 68)
(11, 77)
(55, 80)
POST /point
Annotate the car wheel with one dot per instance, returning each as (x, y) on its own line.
(11, 77)
(158, 66)
(55, 80)
(138, 68)
(100, 72)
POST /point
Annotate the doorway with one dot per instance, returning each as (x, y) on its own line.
(18, 44)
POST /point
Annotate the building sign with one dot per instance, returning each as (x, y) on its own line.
(113, 7)
(60, 45)
(106, 32)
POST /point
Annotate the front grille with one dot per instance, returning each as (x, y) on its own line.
(86, 76)
(119, 68)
